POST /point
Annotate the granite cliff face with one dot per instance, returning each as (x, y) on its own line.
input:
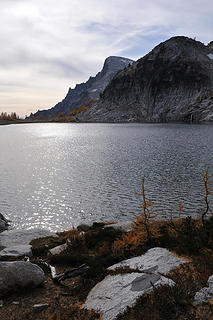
(88, 92)
(174, 82)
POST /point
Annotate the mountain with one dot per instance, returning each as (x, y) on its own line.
(174, 82)
(88, 92)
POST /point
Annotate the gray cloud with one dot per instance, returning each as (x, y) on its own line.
(49, 45)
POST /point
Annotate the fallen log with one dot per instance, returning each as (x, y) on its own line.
(73, 273)
(67, 274)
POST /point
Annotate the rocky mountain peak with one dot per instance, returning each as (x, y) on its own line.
(87, 93)
(116, 62)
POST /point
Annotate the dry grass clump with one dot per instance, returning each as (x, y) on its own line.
(57, 312)
(72, 312)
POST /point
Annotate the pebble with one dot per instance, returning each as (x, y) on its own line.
(40, 307)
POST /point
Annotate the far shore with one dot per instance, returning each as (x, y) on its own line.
(27, 121)
(7, 122)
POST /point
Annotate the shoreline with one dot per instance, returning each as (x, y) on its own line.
(7, 122)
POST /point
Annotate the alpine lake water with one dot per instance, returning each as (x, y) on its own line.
(57, 175)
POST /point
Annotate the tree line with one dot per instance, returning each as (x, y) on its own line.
(9, 116)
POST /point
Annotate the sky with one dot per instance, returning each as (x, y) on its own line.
(48, 46)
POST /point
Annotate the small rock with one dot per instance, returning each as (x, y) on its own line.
(17, 251)
(210, 281)
(1, 303)
(58, 249)
(205, 294)
(40, 307)
(83, 227)
(16, 303)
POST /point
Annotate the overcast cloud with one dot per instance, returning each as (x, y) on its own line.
(48, 46)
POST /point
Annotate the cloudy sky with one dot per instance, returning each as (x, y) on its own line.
(48, 46)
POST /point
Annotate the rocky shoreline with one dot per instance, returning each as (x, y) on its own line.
(109, 285)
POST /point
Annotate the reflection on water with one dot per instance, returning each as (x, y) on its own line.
(57, 175)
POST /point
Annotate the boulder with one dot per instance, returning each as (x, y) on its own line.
(112, 295)
(16, 251)
(3, 223)
(22, 237)
(116, 292)
(19, 275)
(205, 294)
(160, 259)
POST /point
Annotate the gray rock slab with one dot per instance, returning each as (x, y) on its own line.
(19, 275)
(159, 258)
(205, 294)
(12, 238)
(17, 251)
(126, 225)
(58, 249)
(112, 295)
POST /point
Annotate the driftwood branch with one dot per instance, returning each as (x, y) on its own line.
(71, 274)
(67, 274)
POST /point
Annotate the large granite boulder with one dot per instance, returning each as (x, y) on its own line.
(157, 258)
(16, 251)
(205, 294)
(22, 237)
(19, 275)
(112, 295)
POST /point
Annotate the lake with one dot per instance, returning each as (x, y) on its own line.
(57, 175)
